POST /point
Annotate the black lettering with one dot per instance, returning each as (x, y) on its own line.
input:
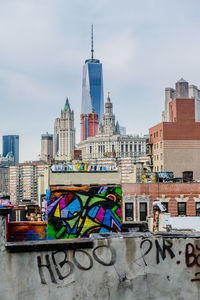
(162, 251)
(113, 256)
(61, 264)
(81, 267)
(190, 256)
(48, 266)
(148, 250)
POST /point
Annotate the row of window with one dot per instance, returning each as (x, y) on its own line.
(156, 146)
(181, 206)
(129, 212)
(158, 169)
(155, 134)
(158, 157)
(124, 148)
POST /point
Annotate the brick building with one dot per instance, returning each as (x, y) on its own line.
(89, 125)
(180, 199)
(174, 146)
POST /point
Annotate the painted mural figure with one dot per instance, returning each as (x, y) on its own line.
(79, 211)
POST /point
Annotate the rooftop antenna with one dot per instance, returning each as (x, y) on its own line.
(92, 50)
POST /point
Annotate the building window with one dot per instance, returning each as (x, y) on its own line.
(139, 147)
(197, 208)
(122, 148)
(160, 132)
(165, 204)
(151, 138)
(161, 168)
(130, 147)
(126, 148)
(156, 133)
(128, 211)
(181, 208)
(135, 147)
(157, 157)
(160, 156)
(161, 145)
(90, 149)
(143, 211)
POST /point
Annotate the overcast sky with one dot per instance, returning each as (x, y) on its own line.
(145, 46)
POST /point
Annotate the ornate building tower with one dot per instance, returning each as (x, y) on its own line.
(109, 118)
(64, 134)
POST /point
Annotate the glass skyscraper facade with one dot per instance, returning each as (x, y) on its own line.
(11, 144)
(92, 88)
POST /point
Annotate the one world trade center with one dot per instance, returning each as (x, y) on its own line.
(92, 86)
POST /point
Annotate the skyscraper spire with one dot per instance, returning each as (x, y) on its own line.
(92, 50)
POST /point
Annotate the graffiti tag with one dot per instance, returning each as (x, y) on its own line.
(58, 265)
(161, 250)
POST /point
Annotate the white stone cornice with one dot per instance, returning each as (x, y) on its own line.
(197, 199)
(163, 198)
(182, 198)
(143, 197)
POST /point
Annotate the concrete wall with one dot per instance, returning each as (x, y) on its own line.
(122, 267)
(84, 178)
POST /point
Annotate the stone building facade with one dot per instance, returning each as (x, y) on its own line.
(64, 134)
(47, 147)
(109, 140)
(182, 90)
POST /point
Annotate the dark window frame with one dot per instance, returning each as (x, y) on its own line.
(181, 211)
(129, 212)
(143, 214)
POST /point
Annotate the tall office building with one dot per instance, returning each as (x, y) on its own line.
(47, 147)
(11, 145)
(64, 134)
(92, 86)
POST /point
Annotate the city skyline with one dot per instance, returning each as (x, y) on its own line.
(143, 51)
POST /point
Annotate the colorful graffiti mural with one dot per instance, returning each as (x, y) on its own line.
(78, 212)
(26, 231)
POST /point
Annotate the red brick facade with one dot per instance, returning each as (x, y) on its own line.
(171, 193)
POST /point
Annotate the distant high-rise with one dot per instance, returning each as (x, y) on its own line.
(47, 146)
(64, 134)
(89, 125)
(11, 145)
(92, 86)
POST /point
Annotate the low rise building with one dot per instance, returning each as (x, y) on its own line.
(179, 199)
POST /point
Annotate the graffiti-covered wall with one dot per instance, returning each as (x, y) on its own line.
(79, 211)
